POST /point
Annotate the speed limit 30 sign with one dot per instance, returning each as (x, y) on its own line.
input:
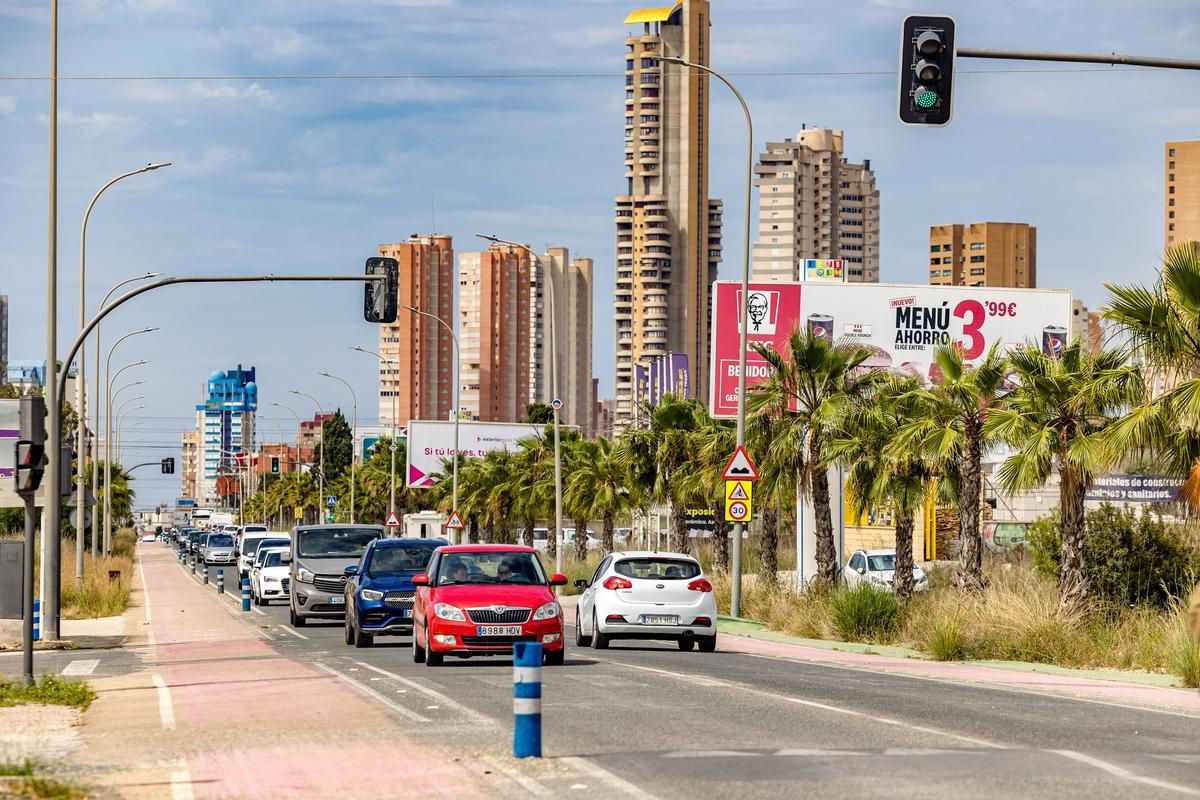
(738, 506)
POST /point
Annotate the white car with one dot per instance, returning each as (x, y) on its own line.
(271, 575)
(647, 595)
(218, 549)
(149, 537)
(877, 568)
(252, 542)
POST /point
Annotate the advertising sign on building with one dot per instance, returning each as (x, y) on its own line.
(902, 325)
(430, 442)
(1135, 489)
(824, 270)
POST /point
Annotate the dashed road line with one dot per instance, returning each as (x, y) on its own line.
(599, 773)
(166, 712)
(82, 667)
(362, 688)
(1124, 774)
(293, 631)
(436, 695)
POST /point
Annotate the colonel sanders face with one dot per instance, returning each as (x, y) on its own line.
(757, 307)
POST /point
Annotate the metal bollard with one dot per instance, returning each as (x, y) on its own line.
(527, 700)
(37, 619)
(246, 594)
(193, 565)
(206, 574)
(220, 580)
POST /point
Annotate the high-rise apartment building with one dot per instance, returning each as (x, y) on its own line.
(1182, 200)
(983, 254)
(668, 229)
(3, 334)
(494, 317)
(420, 381)
(226, 435)
(189, 466)
(572, 288)
(813, 203)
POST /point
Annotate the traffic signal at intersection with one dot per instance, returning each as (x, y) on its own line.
(274, 465)
(927, 51)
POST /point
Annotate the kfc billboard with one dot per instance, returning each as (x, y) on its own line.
(902, 325)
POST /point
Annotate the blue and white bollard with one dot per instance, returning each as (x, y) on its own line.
(37, 619)
(220, 580)
(527, 700)
(206, 574)
(193, 565)
(246, 594)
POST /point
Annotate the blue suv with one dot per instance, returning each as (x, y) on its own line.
(380, 591)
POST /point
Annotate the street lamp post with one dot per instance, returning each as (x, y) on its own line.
(108, 443)
(735, 602)
(555, 402)
(121, 423)
(395, 413)
(353, 428)
(81, 383)
(321, 444)
(457, 387)
(96, 543)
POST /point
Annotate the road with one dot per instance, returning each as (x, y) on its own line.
(651, 721)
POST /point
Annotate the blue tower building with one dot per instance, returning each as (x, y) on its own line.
(226, 421)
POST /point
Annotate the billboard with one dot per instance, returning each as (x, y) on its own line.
(901, 324)
(432, 441)
(824, 270)
(1135, 489)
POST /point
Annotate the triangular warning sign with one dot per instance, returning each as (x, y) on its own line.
(455, 522)
(739, 491)
(740, 467)
(392, 520)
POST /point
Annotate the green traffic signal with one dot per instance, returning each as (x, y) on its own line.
(926, 98)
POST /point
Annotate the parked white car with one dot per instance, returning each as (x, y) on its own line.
(271, 576)
(647, 595)
(877, 568)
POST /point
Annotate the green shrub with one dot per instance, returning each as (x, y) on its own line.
(864, 613)
(947, 642)
(49, 690)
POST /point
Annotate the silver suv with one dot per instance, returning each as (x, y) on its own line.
(320, 555)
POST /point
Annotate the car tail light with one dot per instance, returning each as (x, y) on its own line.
(617, 582)
(615, 619)
(700, 585)
(704, 621)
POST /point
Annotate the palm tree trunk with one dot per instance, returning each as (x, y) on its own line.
(768, 559)
(1073, 583)
(826, 555)
(581, 540)
(970, 575)
(552, 535)
(720, 537)
(610, 525)
(527, 532)
(902, 581)
(679, 536)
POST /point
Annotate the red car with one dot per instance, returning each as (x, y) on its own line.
(478, 599)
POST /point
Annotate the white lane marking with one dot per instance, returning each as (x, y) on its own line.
(436, 695)
(809, 752)
(181, 785)
(374, 695)
(166, 712)
(710, 754)
(714, 682)
(601, 774)
(1124, 774)
(524, 781)
(82, 667)
(293, 632)
(145, 591)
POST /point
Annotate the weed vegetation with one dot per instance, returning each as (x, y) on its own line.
(98, 595)
(25, 779)
(48, 690)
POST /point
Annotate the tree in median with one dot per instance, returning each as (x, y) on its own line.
(339, 446)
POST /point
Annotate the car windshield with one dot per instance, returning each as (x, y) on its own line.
(391, 560)
(273, 559)
(334, 542)
(250, 543)
(221, 540)
(658, 569)
(882, 563)
(267, 544)
(495, 566)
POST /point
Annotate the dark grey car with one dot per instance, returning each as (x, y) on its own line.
(320, 555)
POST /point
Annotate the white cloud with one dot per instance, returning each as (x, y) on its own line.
(217, 159)
(269, 43)
(143, 92)
(228, 92)
(8, 105)
(92, 125)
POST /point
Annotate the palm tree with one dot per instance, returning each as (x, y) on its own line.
(815, 381)
(713, 441)
(947, 427)
(661, 451)
(881, 471)
(1056, 417)
(598, 488)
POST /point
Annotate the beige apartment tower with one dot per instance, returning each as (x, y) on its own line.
(983, 254)
(668, 229)
(572, 285)
(1182, 201)
(421, 378)
(813, 203)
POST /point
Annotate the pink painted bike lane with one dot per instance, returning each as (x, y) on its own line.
(253, 723)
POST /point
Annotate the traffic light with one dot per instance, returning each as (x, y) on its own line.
(379, 297)
(274, 464)
(31, 446)
(168, 466)
(927, 51)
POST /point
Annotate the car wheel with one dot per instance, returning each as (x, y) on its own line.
(554, 658)
(708, 644)
(418, 652)
(349, 632)
(687, 644)
(580, 639)
(599, 640)
(433, 659)
(363, 639)
(297, 620)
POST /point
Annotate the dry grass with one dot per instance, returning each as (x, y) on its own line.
(98, 595)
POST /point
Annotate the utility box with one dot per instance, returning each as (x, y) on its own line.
(12, 560)
(423, 525)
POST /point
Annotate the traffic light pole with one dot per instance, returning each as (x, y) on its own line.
(1114, 59)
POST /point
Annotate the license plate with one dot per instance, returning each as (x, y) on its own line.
(406, 613)
(498, 630)
(337, 600)
(659, 619)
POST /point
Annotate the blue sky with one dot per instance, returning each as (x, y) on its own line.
(309, 176)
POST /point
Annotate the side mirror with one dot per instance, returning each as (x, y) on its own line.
(352, 570)
(558, 579)
(420, 580)
(861, 570)
(581, 584)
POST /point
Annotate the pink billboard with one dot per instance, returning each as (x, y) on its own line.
(773, 310)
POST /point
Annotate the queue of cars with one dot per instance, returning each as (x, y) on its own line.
(462, 600)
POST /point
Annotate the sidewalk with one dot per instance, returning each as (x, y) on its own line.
(221, 714)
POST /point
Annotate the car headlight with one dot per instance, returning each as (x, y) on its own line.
(304, 576)
(449, 612)
(370, 594)
(548, 611)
